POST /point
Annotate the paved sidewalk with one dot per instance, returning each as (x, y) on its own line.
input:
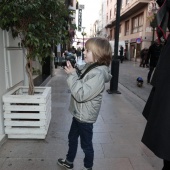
(117, 135)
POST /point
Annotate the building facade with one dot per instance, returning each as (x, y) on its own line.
(134, 28)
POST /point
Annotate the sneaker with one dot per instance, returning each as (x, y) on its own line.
(87, 169)
(65, 164)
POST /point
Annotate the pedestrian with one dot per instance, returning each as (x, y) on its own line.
(157, 109)
(86, 97)
(73, 50)
(143, 56)
(82, 53)
(152, 57)
(121, 53)
(78, 51)
(125, 54)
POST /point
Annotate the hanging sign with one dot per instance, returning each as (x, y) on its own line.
(79, 19)
(138, 40)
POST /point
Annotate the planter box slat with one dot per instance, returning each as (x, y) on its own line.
(23, 131)
(24, 108)
(21, 99)
(27, 116)
(25, 136)
(24, 116)
(24, 123)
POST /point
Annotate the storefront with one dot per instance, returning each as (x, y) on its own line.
(135, 48)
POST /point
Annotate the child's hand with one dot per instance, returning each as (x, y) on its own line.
(69, 69)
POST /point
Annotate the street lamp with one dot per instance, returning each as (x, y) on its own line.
(153, 24)
(115, 61)
(152, 10)
(83, 34)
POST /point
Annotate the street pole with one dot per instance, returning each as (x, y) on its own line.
(83, 43)
(153, 25)
(115, 61)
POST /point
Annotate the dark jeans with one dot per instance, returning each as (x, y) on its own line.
(121, 58)
(142, 64)
(85, 131)
(166, 165)
(150, 73)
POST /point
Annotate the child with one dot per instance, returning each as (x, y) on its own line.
(86, 98)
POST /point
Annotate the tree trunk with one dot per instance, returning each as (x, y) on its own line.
(30, 78)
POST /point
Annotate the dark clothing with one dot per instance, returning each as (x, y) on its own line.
(121, 54)
(85, 131)
(143, 56)
(78, 53)
(82, 53)
(166, 165)
(151, 69)
(157, 109)
(153, 56)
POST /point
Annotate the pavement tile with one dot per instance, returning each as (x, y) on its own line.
(112, 164)
(117, 150)
(102, 137)
(143, 163)
(2, 160)
(30, 164)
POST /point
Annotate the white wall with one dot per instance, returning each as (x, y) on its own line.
(2, 83)
(11, 68)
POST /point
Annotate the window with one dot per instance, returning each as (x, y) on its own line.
(111, 34)
(140, 23)
(127, 2)
(115, 8)
(137, 23)
(111, 14)
(127, 27)
(71, 2)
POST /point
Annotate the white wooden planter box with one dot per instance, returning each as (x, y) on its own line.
(27, 116)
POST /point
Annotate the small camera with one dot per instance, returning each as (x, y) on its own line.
(62, 61)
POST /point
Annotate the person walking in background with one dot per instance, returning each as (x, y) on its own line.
(157, 109)
(143, 56)
(121, 53)
(152, 57)
(73, 50)
(82, 53)
(78, 52)
(86, 97)
(125, 54)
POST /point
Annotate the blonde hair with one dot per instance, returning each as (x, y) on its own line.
(101, 50)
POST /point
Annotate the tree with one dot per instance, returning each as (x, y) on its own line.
(39, 24)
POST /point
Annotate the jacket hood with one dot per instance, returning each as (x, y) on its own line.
(106, 73)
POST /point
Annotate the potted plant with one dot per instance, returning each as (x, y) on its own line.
(40, 24)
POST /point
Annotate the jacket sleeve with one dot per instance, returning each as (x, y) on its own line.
(83, 91)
